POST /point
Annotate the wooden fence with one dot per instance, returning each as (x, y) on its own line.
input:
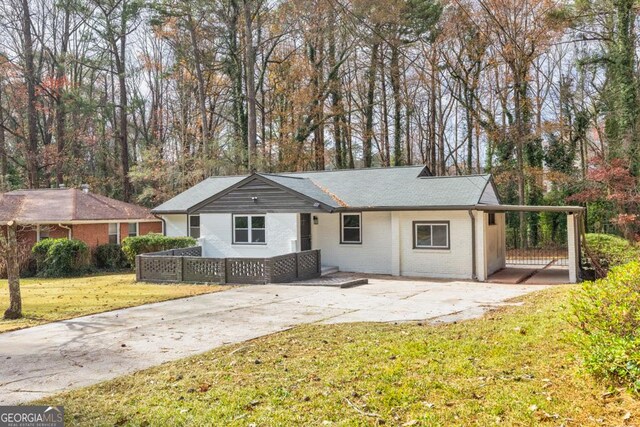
(187, 265)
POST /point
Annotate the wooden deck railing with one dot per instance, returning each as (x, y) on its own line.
(186, 265)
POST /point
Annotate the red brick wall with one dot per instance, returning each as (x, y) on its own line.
(150, 227)
(92, 234)
(28, 235)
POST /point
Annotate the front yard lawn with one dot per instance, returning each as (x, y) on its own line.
(48, 300)
(512, 367)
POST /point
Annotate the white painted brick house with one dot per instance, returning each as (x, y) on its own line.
(399, 221)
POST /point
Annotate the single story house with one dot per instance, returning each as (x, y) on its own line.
(400, 221)
(74, 213)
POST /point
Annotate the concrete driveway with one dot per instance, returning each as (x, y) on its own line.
(43, 360)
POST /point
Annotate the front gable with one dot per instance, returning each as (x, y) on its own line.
(257, 194)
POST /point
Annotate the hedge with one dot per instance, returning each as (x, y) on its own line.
(111, 257)
(611, 250)
(133, 246)
(61, 257)
(606, 317)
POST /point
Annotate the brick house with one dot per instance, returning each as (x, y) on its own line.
(74, 213)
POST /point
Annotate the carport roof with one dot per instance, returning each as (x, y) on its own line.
(409, 187)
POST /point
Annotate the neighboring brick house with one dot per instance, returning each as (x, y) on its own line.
(74, 213)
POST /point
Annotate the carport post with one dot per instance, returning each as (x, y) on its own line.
(572, 247)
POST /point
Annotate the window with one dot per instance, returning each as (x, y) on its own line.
(194, 226)
(43, 232)
(133, 229)
(114, 233)
(351, 228)
(431, 235)
(249, 229)
(492, 218)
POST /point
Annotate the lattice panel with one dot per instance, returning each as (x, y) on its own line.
(159, 268)
(203, 269)
(283, 268)
(194, 251)
(307, 263)
(247, 268)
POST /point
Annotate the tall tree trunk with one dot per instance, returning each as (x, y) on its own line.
(202, 97)
(3, 148)
(316, 54)
(371, 88)
(433, 121)
(385, 155)
(251, 86)
(398, 158)
(61, 114)
(32, 113)
(123, 122)
(13, 273)
(337, 109)
(520, 151)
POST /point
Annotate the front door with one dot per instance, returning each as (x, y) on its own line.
(305, 232)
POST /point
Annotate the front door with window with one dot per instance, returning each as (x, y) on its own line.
(305, 232)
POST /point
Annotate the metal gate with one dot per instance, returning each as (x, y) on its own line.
(536, 238)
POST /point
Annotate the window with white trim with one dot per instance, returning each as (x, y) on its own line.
(194, 226)
(351, 228)
(43, 232)
(249, 229)
(431, 235)
(133, 229)
(114, 233)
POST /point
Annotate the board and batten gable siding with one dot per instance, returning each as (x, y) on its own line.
(216, 236)
(373, 255)
(269, 198)
(175, 225)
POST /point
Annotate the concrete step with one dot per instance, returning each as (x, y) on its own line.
(328, 269)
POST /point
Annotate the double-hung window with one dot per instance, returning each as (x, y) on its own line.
(351, 228)
(133, 229)
(43, 232)
(194, 226)
(114, 233)
(431, 235)
(249, 229)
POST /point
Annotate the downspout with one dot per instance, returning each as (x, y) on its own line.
(164, 224)
(69, 232)
(474, 276)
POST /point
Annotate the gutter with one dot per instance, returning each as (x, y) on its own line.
(474, 276)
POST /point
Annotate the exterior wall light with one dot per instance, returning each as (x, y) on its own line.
(315, 220)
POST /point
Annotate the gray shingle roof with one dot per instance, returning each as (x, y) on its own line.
(196, 194)
(393, 188)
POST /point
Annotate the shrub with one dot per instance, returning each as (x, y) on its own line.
(611, 250)
(132, 246)
(111, 257)
(606, 314)
(61, 257)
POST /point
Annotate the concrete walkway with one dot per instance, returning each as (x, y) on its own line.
(44, 360)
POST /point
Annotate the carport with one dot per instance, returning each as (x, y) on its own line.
(542, 263)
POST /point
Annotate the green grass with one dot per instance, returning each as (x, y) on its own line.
(512, 367)
(48, 300)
